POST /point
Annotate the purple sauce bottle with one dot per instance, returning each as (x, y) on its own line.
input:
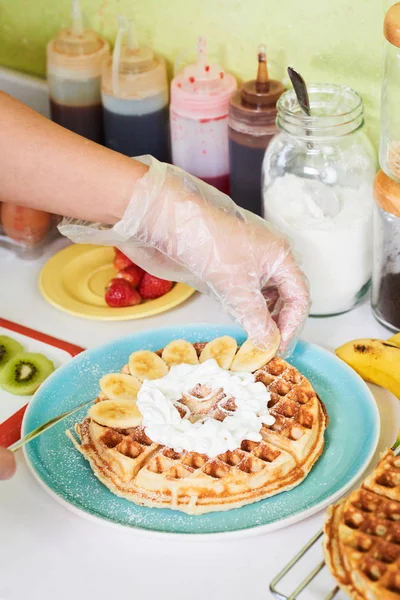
(134, 94)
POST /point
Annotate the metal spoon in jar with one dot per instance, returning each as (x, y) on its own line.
(327, 201)
(300, 88)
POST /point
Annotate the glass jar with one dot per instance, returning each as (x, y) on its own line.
(386, 264)
(389, 147)
(318, 191)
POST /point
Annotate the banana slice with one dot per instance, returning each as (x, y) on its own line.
(116, 413)
(249, 358)
(118, 386)
(178, 352)
(147, 365)
(222, 349)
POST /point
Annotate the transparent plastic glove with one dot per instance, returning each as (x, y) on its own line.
(182, 229)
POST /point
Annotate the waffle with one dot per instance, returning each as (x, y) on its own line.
(134, 467)
(362, 535)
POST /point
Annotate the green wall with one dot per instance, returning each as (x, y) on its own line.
(338, 41)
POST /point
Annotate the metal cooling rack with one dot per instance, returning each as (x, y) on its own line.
(307, 580)
(317, 569)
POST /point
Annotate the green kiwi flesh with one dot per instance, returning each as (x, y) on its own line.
(8, 349)
(25, 372)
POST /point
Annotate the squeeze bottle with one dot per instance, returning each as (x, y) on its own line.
(135, 98)
(252, 115)
(74, 61)
(199, 120)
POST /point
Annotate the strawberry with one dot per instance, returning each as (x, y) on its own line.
(120, 293)
(133, 274)
(121, 261)
(153, 287)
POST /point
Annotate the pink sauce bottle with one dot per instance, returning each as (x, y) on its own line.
(199, 120)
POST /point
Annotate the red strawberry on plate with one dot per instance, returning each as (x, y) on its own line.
(153, 287)
(121, 261)
(120, 293)
(133, 274)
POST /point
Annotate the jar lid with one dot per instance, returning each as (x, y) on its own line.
(391, 26)
(387, 193)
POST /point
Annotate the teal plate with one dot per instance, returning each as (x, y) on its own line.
(350, 441)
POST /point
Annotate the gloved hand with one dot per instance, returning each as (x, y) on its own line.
(182, 229)
(7, 464)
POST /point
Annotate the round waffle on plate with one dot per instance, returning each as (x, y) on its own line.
(362, 535)
(135, 467)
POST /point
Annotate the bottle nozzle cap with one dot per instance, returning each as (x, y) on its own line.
(132, 70)
(261, 92)
(202, 77)
(77, 41)
(76, 18)
(262, 80)
(128, 56)
(76, 53)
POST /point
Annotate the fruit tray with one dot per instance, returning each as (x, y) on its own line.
(41, 224)
(12, 408)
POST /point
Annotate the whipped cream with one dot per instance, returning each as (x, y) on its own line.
(158, 400)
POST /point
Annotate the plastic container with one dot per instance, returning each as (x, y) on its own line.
(74, 63)
(135, 98)
(318, 175)
(26, 231)
(386, 264)
(389, 148)
(199, 120)
(252, 115)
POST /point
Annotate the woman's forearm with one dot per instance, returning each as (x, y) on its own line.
(45, 166)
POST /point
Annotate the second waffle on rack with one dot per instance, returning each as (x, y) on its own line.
(362, 535)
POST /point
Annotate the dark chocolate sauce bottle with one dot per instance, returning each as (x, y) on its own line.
(74, 62)
(252, 114)
(135, 99)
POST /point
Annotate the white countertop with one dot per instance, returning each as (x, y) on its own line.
(47, 552)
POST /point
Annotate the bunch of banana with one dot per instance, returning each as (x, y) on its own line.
(377, 361)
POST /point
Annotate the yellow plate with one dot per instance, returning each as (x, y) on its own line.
(75, 278)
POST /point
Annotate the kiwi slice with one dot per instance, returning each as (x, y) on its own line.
(24, 372)
(8, 349)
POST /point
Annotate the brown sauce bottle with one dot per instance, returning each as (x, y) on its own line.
(252, 114)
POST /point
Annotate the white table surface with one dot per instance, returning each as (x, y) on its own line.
(47, 552)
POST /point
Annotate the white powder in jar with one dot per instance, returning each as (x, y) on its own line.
(330, 229)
